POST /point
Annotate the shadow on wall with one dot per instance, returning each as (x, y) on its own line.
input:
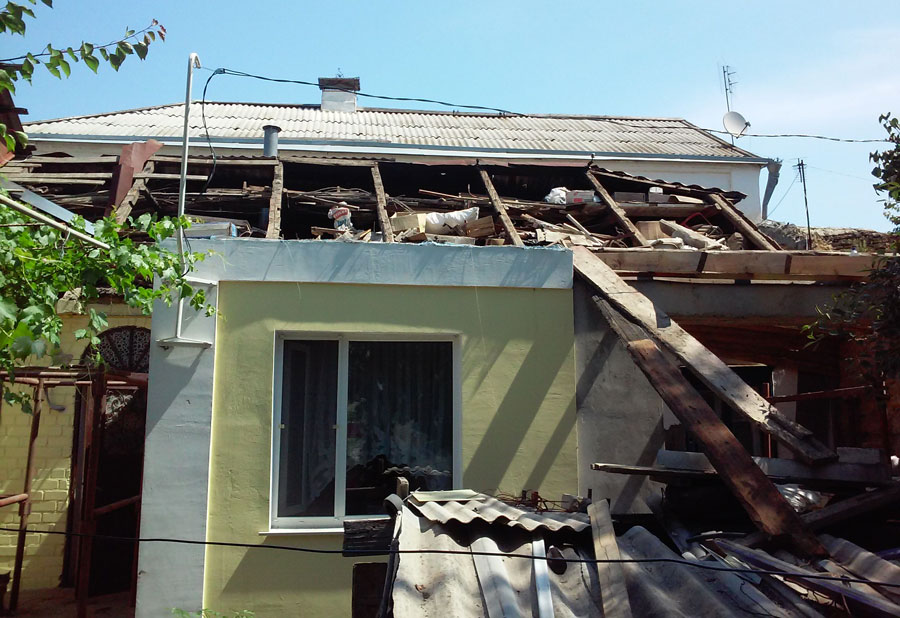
(502, 441)
(271, 580)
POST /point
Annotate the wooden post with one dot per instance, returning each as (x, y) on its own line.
(92, 443)
(387, 230)
(617, 211)
(25, 505)
(498, 205)
(612, 578)
(274, 228)
(708, 367)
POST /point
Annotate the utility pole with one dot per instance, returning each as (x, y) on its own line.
(801, 169)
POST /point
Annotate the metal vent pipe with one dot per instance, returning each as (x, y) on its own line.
(270, 140)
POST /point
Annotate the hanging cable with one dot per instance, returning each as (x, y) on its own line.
(465, 552)
(506, 112)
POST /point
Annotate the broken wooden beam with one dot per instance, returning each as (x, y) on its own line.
(742, 224)
(708, 367)
(610, 574)
(765, 506)
(839, 511)
(387, 232)
(123, 209)
(833, 588)
(617, 211)
(498, 205)
(273, 229)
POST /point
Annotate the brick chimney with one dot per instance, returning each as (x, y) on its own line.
(339, 93)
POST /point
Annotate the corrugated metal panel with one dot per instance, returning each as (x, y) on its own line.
(648, 136)
(491, 510)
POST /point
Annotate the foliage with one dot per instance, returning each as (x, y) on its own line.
(887, 170)
(38, 264)
(208, 613)
(869, 312)
(58, 59)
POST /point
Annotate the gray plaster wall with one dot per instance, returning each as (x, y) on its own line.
(620, 416)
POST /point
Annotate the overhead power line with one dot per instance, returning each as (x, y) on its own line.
(506, 112)
(465, 552)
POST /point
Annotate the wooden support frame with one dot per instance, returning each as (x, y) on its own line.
(500, 207)
(387, 231)
(273, 230)
(93, 424)
(760, 499)
(616, 210)
(708, 367)
(25, 505)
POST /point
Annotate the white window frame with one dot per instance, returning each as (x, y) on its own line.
(325, 524)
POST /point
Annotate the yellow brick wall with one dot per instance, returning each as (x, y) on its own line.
(50, 484)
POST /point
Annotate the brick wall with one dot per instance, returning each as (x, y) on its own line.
(50, 488)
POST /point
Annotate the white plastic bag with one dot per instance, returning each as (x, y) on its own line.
(557, 195)
(444, 222)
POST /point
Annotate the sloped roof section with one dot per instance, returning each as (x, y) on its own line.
(243, 122)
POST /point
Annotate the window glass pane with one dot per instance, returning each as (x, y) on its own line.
(308, 416)
(399, 419)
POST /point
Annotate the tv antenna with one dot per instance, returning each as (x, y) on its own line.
(734, 122)
(729, 85)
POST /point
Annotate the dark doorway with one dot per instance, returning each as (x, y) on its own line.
(120, 466)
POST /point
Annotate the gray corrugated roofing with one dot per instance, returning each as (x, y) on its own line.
(490, 509)
(241, 122)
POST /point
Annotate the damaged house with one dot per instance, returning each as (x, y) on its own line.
(491, 312)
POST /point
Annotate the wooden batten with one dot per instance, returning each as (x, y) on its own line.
(617, 211)
(384, 221)
(500, 207)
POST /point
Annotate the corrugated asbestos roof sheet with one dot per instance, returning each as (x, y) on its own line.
(305, 123)
(435, 584)
(491, 510)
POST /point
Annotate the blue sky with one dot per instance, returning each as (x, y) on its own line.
(821, 67)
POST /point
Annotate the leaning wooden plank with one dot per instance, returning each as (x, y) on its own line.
(498, 205)
(610, 574)
(387, 232)
(832, 588)
(760, 499)
(274, 228)
(839, 511)
(742, 225)
(617, 211)
(864, 564)
(123, 209)
(708, 367)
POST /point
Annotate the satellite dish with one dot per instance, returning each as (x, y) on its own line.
(735, 123)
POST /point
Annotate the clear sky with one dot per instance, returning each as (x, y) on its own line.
(822, 67)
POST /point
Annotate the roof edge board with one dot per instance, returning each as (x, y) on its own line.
(394, 148)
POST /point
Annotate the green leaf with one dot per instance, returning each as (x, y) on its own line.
(53, 70)
(104, 54)
(48, 3)
(125, 47)
(92, 63)
(8, 311)
(21, 347)
(81, 333)
(71, 53)
(65, 67)
(141, 50)
(86, 49)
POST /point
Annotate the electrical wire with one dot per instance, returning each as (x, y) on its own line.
(368, 551)
(790, 186)
(506, 112)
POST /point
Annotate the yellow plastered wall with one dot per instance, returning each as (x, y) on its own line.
(50, 484)
(518, 417)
